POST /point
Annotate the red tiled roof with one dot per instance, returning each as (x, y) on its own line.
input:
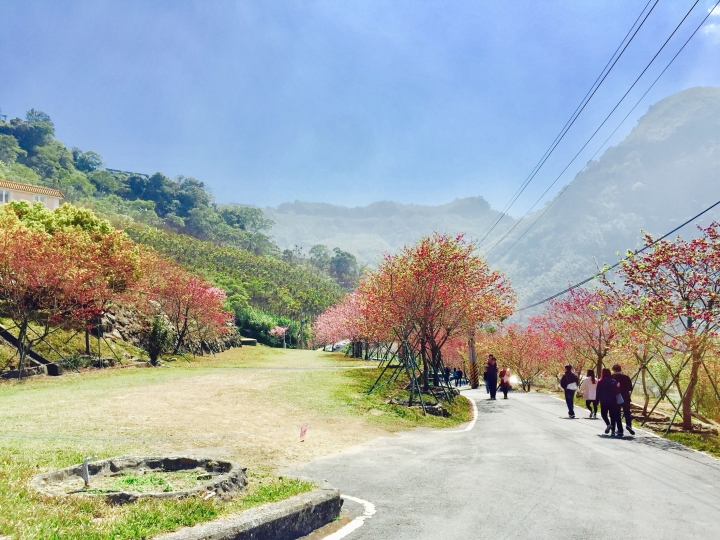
(7, 184)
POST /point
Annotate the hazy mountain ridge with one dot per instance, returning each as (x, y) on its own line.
(367, 231)
(665, 171)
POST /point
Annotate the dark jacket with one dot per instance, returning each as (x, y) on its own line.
(625, 385)
(607, 392)
(568, 378)
(491, 372)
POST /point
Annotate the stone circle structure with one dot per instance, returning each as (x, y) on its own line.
(219, 478)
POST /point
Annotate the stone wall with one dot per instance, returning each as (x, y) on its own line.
(127, 325)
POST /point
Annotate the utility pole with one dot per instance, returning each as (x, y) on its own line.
(472, 356)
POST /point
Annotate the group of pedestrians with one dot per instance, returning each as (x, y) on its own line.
(491, 376)
(612, 391)
(456, 375)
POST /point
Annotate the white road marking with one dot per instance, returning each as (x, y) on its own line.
(472, 422)
(355, 523)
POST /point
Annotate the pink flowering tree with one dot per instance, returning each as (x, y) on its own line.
(581, 327)
(671, 293)
(342, 321)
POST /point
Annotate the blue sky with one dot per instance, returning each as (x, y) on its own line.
(338, 101)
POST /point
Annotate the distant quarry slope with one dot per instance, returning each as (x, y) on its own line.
(665, 171)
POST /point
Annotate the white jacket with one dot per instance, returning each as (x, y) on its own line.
(588, 389)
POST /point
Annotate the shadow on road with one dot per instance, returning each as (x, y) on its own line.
(490, 406)
(661, 444)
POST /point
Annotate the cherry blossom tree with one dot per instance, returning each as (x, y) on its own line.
(44, 279)
(674, 289)
(525, 351)
(432, 291)
(583, 328)
(342, 321)
(191, 305)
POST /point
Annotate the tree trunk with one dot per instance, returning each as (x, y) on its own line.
(180, 337)
(690, 391)
(87, 341)
(645, 391)
(423, 353)
(22, 348)
(436, 362)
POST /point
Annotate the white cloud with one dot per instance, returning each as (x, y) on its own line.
(715, 12)
(637, 185)
(712, 29)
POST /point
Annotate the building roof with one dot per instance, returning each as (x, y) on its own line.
(28, 188)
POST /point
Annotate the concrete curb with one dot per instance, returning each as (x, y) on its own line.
(285, 520)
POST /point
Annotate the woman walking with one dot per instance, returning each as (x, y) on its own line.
(607, 394)
(505, 381)
(588, 389)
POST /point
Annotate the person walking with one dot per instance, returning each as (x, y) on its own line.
(588, 389)
(626, 386)
(492, 375)
(446, 375)
(607, 395)
(569, 384)
(505, 381)
(460, 377)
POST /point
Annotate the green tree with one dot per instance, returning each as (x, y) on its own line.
(29, 135)
(35, 116)
(105, 182)
(10, 149)
(86, 161)
(158, 339)
(248, 218)
(320, 256)
(190, 194)
(344, 268)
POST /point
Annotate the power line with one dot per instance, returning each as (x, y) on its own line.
(584, 281)
(600, 126)
(608, 138)
(583, 103)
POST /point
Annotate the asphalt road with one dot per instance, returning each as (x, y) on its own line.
(524, 471)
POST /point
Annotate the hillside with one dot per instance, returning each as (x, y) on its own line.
(179, 217)
(664, 172)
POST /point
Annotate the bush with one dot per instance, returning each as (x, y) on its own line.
(158, 340)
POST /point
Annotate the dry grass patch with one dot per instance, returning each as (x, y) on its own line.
(246, 404)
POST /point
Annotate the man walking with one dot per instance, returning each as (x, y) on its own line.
(492, 375)
(569, 383)
(625, 386)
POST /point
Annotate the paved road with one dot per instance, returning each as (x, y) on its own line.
(524, 471)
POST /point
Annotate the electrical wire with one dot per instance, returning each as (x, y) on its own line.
(608, 138)
(606, 270)
(601, 125)
(583, 103)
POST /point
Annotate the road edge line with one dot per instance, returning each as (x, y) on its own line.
(472, 422)
(355, 523)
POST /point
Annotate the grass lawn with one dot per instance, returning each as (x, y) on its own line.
(246, 404)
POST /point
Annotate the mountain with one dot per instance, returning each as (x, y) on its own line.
(367, 231)
(664, 172)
